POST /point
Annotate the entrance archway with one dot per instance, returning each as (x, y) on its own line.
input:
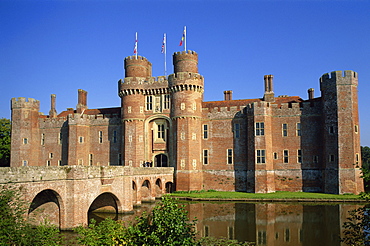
(161, 160)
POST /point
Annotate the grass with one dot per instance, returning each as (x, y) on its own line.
(267, 196)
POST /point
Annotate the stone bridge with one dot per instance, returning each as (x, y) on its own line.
(66, 194)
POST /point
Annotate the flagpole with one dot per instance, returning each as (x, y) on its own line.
(185, 38)
(136, 45)
(165, 54)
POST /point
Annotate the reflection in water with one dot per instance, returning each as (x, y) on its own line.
(271, 224)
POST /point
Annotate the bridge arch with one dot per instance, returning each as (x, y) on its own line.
(146, 190)
(158, 187)
(47, 204)
(106, 203)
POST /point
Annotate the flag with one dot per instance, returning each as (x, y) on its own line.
(183, 37)
(164, 44)
(135, 48)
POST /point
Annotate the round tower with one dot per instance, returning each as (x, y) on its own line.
(185, 61)
(186, 87)
(132, 92)
(137, 67)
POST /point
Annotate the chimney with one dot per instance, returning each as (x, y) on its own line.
(52, 112)
(269, 95)
(228, 95)
(82, 101)
(311, 93)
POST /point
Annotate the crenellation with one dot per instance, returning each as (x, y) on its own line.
(22, 102)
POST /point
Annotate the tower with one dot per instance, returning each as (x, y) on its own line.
(341, 136)
(132, 92)
(25, 132)
(186, 87)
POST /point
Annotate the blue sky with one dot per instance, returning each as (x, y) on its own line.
(58, 47)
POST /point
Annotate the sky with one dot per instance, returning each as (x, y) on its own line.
(59, 46)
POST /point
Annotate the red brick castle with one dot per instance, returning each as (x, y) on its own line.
(255, 145)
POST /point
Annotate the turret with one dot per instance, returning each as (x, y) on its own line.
(186, 87)
(137, 67)
(341, 155)
(25, 132)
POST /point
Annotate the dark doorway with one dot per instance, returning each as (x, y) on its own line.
(161, 160)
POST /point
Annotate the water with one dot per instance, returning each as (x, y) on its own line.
(271, 224)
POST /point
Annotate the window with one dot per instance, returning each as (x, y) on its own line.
(331, 158)
(51, 155)
(194, 106)
(205, 156)
(299, 156)
(261, 156)
(114, 136)
(298, 129)
(206, 231)
(120, 159)
(236, 130)
(357, 158)
(25, 140)
(275, 156)
(261, 239)
(48, 163)
(60, 139)
(193, 136)
(100, 137)
(287, 235)
(182, 106)
(260, 129)
(230, 232)
(81, 139)
(80, 162)
(129, 109)
(42, 138)
(25, 163)
(286, 156)
(285, 130)
(331, 130)
(160, 132)
(91, 159)
(315, 159)
(59, 162)
(149, 102)
(356, 128)
(166, 104)
(229, 156)
(205, 131)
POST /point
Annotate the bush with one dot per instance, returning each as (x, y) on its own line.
(16, 230)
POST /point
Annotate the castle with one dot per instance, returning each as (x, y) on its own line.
(256, 145)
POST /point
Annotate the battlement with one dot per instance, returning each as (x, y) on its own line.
(184, 76)
(185, 61)
(140, 58)
(137, 67)
(132, 81)
(22, 102)
(337, 75)
(98, 119)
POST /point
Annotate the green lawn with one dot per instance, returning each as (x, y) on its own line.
(274, 195)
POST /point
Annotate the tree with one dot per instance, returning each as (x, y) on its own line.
(15, 229)
(166, 225)
(5, 129)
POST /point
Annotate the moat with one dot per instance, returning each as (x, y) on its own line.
(272, 224)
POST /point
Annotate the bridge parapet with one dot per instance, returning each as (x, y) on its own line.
(39, 174)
